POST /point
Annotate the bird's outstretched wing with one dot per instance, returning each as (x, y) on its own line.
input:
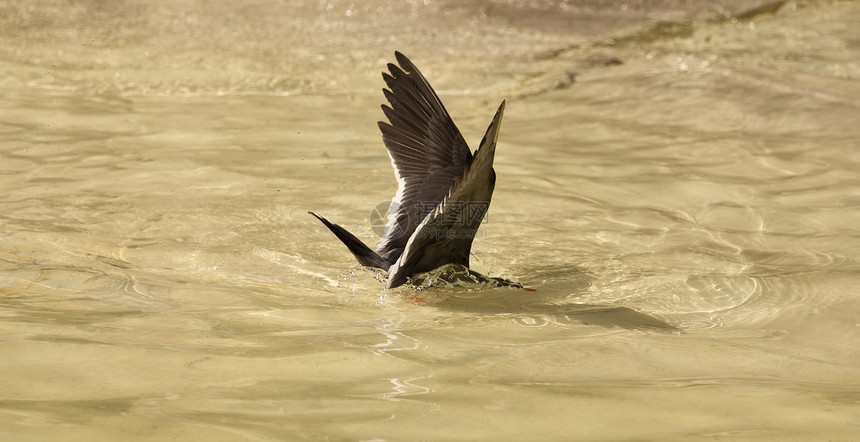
(362, 253)
(445, 235)
(427, 153)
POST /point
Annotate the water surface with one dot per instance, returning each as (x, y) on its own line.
(683, 198)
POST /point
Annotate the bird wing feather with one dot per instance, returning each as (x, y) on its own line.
(427, 153)
(445, 235)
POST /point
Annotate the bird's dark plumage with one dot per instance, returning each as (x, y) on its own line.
(443, 189)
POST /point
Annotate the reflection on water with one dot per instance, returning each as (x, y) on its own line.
(680, 200)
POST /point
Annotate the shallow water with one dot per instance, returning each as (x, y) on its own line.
(684, 200)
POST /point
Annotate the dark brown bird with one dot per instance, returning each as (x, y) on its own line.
(444, 189)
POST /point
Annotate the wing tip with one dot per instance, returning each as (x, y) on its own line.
(403, 60)
(321, 219)
(383, 126)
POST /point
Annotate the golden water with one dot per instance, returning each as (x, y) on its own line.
(685, 200)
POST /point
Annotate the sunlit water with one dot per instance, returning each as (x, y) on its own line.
(684, 202)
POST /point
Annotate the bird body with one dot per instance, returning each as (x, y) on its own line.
(444, 190)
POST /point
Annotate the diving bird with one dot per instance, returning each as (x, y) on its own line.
(443, 189)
